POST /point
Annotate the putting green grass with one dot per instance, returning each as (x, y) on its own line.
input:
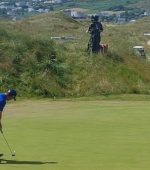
(77, 135)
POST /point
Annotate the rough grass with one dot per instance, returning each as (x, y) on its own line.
(79, 74)
(77, 135)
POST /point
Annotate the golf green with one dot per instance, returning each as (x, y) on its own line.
(76, 135)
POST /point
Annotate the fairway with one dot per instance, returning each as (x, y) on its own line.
(77, 135)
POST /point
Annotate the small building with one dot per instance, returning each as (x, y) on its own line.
(53, 2)
(30, 9)
(139, 50)
(67, 12)
(74, 14)
(121, 19)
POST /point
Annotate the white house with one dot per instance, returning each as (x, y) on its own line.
(53, 2)
(74, 13)
(30, 9)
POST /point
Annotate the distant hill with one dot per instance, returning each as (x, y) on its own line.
(35, 64)
(98, 5)
(145, 4)
(30, 7)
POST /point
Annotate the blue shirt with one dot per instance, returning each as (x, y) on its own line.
(2, 101)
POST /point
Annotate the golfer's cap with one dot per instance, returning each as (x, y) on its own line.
(12, 93)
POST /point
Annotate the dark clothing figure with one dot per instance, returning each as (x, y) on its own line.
(95, 30)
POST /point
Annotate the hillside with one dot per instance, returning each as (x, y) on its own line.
(98, 5)
(27, 52)
(18, 9)
(145, 4)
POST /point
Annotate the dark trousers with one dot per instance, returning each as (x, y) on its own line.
(94, 42)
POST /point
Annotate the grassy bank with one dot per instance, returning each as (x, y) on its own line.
(27, 52)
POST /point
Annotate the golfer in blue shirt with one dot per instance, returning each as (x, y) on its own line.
(11, 94)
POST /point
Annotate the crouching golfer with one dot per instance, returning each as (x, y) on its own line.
(11, 94)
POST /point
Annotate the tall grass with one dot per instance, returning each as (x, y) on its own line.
(27, 52)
